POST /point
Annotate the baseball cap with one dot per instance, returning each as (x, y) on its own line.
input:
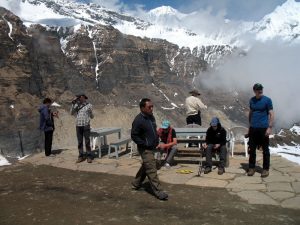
(165, 124)
(214, 121)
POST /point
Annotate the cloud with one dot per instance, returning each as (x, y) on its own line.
(236, 10)
(274, 64)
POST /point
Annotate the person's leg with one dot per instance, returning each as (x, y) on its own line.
(79, 133)
(86, 134)
(171, 155)
(252, 148)
(208, 155)
(48, 142)
(139, 177)
(149, 164)
(266, 150)
(223, 152)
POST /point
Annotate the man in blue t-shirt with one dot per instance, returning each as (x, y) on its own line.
(261, 117)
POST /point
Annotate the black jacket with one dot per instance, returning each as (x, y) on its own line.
(144, 133)
(216, 136)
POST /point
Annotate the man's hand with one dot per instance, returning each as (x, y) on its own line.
(268, 131)
(204, 145)
(217, 146)
(55, 114)
(161, 145)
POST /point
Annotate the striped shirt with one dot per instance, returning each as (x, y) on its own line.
(83, 113)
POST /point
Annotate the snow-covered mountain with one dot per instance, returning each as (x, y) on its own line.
(165, 22)
(283, 23)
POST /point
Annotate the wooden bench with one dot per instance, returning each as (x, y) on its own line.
(116, 145)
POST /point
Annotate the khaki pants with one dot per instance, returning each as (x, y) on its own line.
(149, 169)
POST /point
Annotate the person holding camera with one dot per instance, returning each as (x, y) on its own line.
(83, 111)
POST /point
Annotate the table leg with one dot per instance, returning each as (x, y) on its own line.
(119, 135)
(105, 140)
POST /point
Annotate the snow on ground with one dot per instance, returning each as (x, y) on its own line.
(10, 28)
(291, 153)
(295, 129)
(3, 161)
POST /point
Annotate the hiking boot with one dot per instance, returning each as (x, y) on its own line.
(221, 170)
(264, 173)
(162, 195)
(136, 187)
(89, 160)
(80, 159)
(207, 170)
(251, 172)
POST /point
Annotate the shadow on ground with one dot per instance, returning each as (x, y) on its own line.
(48, 195)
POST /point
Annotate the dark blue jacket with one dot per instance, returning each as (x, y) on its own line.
(144, 133)
(46, 119)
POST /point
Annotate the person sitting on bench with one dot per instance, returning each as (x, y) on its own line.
(215, 141)
(168, 141)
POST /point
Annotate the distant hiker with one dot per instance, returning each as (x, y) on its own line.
(84, 113)
(168, 142)
(261, 117)
(144, 134)
(215, 141)
(47, 123)
(193, 105)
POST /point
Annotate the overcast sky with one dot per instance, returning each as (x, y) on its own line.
(248, 10)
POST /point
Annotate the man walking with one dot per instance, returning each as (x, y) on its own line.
(261, 117)
(84, 113)
(193, 105)
(144, 134)
(47, 124)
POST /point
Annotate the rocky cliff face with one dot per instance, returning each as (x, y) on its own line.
(112, 68)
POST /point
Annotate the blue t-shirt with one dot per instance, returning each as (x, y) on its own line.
(260, 111)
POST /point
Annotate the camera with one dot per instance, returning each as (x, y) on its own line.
(76, 101)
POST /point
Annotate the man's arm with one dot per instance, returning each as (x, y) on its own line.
(171, 144)
(136, 132)
(73, 109)
(271, 121)
(200, 104)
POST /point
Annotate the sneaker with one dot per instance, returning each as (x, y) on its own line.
(80, 159)
(264, 173)
(136, 187)
(251, 172)
(89, 160)
(167, 165)
(207, 170)
(221, 170)
(162, 195)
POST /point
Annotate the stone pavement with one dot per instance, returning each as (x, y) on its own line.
(282, 187)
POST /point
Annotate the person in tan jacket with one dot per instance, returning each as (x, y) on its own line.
(193, 105)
